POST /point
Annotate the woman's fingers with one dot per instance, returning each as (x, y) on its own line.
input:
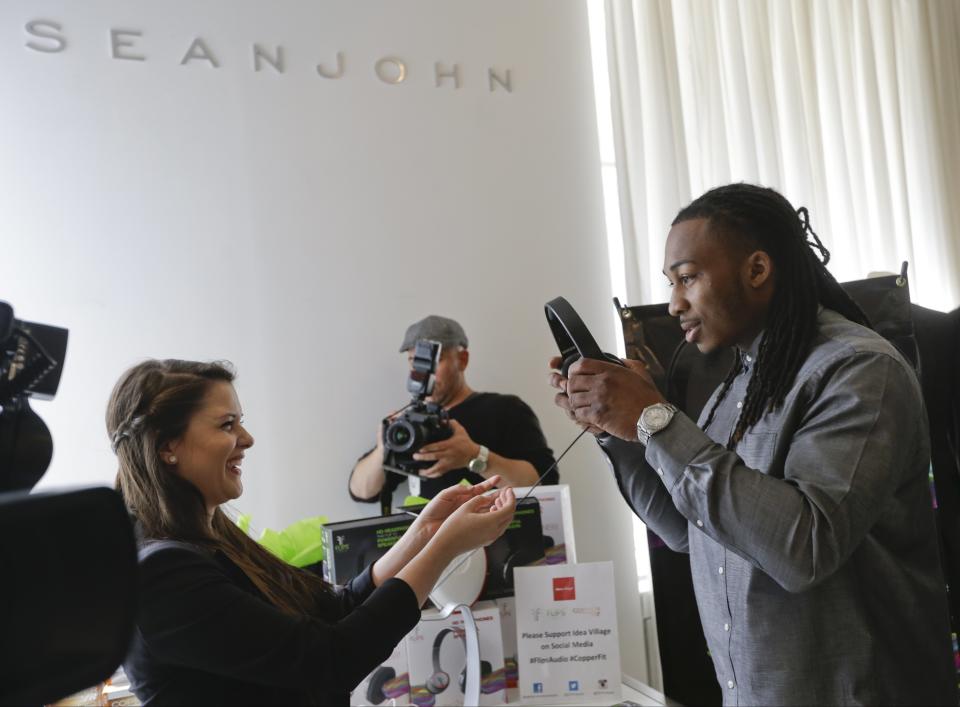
(487, 485)
(478, 504)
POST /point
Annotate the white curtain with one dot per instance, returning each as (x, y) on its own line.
(849, 107)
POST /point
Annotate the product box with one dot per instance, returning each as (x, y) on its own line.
(508, 628)
(437, 656)
(521, 544)
(388, 683)
(349, 546)
(556, 515)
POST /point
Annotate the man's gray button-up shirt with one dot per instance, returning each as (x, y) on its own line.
(812, 544)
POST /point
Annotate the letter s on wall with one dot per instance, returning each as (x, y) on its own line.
(46, 29)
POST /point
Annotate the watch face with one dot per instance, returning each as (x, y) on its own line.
(656, 417)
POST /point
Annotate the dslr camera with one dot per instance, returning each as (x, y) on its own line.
(420, 423)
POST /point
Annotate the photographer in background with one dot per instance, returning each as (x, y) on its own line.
(493, 434)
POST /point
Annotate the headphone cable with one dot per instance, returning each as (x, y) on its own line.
(470, 554)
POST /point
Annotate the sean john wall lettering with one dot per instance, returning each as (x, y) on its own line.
(50, 37)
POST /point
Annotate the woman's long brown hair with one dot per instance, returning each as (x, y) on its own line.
(151, 405)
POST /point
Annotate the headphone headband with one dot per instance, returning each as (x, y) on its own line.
(569, 331)
(572, 336)
(437, 643)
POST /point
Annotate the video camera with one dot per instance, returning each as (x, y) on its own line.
(421, 422)
(31, 362)
(68, 595)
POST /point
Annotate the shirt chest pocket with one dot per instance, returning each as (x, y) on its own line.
(756, 449)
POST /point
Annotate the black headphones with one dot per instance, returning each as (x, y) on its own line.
(440, 680)
(572, 336)
(522, 557)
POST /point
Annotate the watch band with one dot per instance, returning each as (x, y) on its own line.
(479, 463)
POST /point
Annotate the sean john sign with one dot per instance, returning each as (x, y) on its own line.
(127, 44)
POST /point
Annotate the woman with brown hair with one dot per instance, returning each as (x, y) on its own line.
(223, 621)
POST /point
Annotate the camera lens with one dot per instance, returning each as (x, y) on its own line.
(400, 436)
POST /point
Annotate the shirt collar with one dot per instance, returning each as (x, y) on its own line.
(748, 356)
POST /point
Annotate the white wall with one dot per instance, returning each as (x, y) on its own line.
(296, 224)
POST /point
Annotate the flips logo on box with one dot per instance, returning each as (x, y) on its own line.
(564, 589)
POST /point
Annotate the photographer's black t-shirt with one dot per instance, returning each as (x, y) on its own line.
(505, 425)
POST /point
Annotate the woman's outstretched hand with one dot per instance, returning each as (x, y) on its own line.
(467, 519)
(447, 502)
(477, 522)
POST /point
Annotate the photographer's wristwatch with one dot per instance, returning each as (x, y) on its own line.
(479, 463)
(653, 419)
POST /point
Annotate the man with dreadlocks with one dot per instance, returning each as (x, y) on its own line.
(802, 495)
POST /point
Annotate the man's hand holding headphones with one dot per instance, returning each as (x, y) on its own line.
(603, 397)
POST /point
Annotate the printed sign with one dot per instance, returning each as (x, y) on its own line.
(567, 645)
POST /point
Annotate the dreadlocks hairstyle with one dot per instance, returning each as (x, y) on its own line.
(762, 219)
(151, 404)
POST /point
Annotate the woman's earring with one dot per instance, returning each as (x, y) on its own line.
(173, 460)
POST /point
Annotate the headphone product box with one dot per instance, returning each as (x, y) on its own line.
(436, 651)
(350, 546)
(388, 683)
(508, 629)
(556, 515)
(521, 544)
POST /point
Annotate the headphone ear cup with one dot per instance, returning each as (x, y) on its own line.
(381, 676)
(485, 669)
(438, 682)
(512, 561)
(612, 359)
(574, 357)
(520, 558)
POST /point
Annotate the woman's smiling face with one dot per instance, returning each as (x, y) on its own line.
(210, 452)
